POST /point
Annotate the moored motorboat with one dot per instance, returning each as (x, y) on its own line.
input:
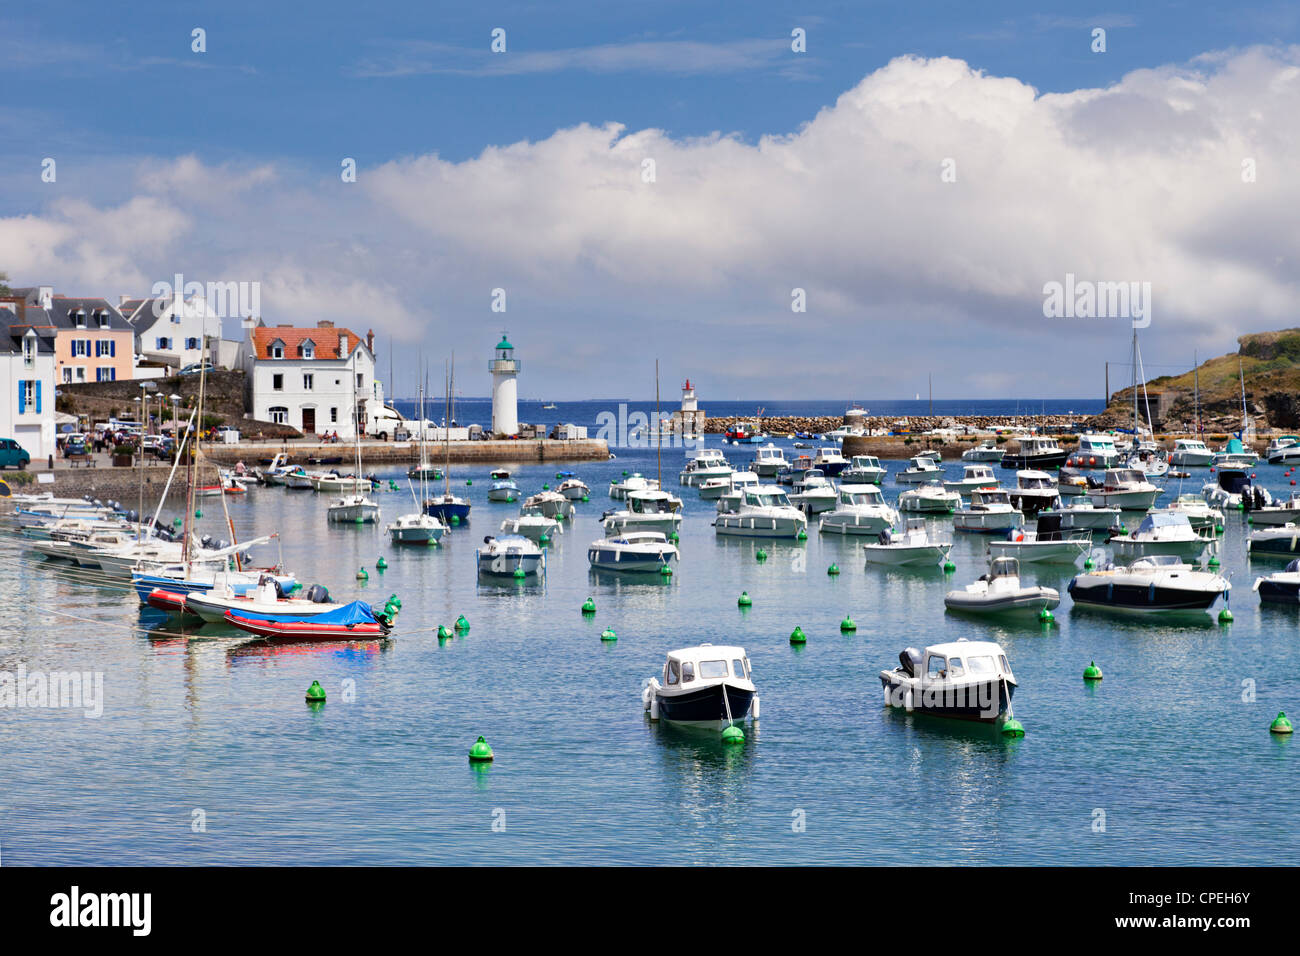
(1283, 450)
(416, 528)
(533, 525)
(1036, 453)
(633, 551)
(266, 600)
(574, 489)
(1276, 514)
(503, 489)
(972, 477)
(1276, 542)
(355, 621)
(354, 509)
(707, 463)
(863, 470)
(916, 544)
(653, 510)
(764, 512)
(990, 512)
(1235, 454)
(1045, 544)
(1158, 583)
(919, 470)
(999, 591)
(1198, 512)
(829, 461)
(737, 481)
(987, 450)
(1034, 491)
(618, 490)
(703, 686)
(550, 503)
(1163, 532)
(511, 556)
(1280, 587)
(860, 509)
(929, 498)
(965, 680)
(1191, 453)
(1126, 489)
(813, 493)
(448, 508)
(768, 460)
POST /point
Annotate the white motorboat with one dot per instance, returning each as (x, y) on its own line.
(1000, 592)
(332, 482)
(919, 470)
(861, 509)
(416, 528)
(1283, 450)
(618, 490)
(1048, 543)
(633, 551)
(987, 450)
(266, 598)
(963, 680)
(916, 544)
(703, 686)
(1148, 459)
(764, 512)
(737, 481)
(707, 463)
(645, 511)
(510, 556)
(863, 470)
(1200, 514)
(532, 524)
(1094, 451)
(549, 503)
(1034, 491)
(574, 489)
(297, 479)
(1235, 455)
(929, 498)
(1191, 453)
(1278, 542)
(814, 492)
(990, 512)
(81, 547)
(1281, 587)
(973, 476)
(1162, 532)
(830, 462)
(1275, 514)
(1234, 490)
(1151, 584)
(357, 509)
(768, 460)
(1126, 489)
(1072, 484)
(503, 489)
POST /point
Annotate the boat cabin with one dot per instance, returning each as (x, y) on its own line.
(765, 496)
(705, 664)
(981, 660)
(989, 497)
(1159, 523)
(861, 495)
(978, 473)
(1123, 478)
(652, 502)
(1029, 480)
(864, 462)
(1190, 444)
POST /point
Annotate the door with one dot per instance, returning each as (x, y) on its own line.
(308, 421)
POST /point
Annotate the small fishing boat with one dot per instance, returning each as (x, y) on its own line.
(829, 461)
(707, 463)
(1283, 450)
(1035, 454)
(533, 525)
(1046, 544)
(1235, 490)
(963, 680)
(355, 621)
(1275, 514)
(503, 489)
(813, 493)
(417, 528)
(929, 498)
(703, 686)
(1157, 583)
(448, 508)
(861, 509)
(768, 460)
(264, 601)
(1149, 459)
(1071, 484)
(574, 489)
(1234, 454)
(355, 509)
(795, 470)
(972, 477)
(1199, 513)
(177, 579)
(737, 481)
(1280, 587)
(916, 544)
(1277, 542)
(1162, 532)
(510, 555)
(297, 479)
(919, 470)
(1000, 592)
(1034, 491)
(633, 551)
(550, 503)
(332, 482)
(863, 470)
(744, 433)
(987, 450)
(764, 511)
(425, 472)
(990, 512)
(499, 474)
(1126, 489)
(645, 511)
(1191, 453)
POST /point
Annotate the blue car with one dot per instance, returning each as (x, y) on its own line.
(12, 454)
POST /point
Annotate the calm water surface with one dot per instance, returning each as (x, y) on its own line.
(200, 719)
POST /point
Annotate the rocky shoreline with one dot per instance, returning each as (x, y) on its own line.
(789, 425)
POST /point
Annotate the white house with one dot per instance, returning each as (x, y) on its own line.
(27, 362)
(311, 378)
(169, 329)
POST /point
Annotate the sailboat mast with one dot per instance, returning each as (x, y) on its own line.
(1196, 390)
(1241, 372)
(446, 432)
(659, 431)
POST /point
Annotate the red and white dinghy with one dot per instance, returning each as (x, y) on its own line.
(169, 601)
(321, 627)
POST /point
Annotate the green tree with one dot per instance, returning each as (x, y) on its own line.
(4, 284)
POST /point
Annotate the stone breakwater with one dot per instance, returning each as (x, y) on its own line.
(788, 425)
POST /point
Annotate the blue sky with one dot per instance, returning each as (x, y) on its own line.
(412, 92)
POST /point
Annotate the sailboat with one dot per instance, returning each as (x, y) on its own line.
(355, 508)
(1145, 456)
(447, 507)
(1239, 452)
(417, 527)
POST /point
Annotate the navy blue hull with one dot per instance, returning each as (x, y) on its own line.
(1279, 593)
(705, 705)
(967, 706)
(1136, 598)
(1038, 462)
(447, 512)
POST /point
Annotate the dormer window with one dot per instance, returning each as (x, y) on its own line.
(79, 319)
(29, 348)
(276, 349)
(103, 319)
(308, 349)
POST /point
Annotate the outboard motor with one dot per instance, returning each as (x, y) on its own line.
(318, 594)
(910, 658)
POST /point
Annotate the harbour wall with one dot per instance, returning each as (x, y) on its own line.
(408, 453)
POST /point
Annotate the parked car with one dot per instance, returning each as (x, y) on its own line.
(13, 454)
(196, 367)
(75, 445)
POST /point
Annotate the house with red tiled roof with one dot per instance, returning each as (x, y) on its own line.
(310, 378)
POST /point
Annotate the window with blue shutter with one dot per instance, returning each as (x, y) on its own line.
(22, 397)
(112, 348)
(38, 396)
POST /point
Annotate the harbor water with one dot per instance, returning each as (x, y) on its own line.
(206, 752)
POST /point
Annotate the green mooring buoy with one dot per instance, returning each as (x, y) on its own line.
(1046, 616)
(1092, 672)
(1012, 728)
(797, 636)
(1281, 724)
(363, 574)
(731, 734)
(949, 567)
(444, 632)
(608, 634)
(744, 600)
(462, 623)
(848, 624)
(589, 606)
(1225, 616)
(802, 535)
(480, 752)
(315, 693)
(381, 563)
(833, 570)
(760, 555)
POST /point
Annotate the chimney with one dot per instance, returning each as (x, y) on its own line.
(324, 324)
(122, 300)
(370, 340)
(46, 300)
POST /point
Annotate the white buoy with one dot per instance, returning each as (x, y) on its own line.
(907, 700)
(754, 707)
(887, 696)
(654, 708)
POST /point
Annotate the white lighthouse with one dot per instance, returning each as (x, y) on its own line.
(505, 393)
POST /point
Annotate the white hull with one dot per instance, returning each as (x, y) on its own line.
(366, 512)
(1041, 552)
(759, 526)
(1124, 500)
(857, 522)
(903, 554)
